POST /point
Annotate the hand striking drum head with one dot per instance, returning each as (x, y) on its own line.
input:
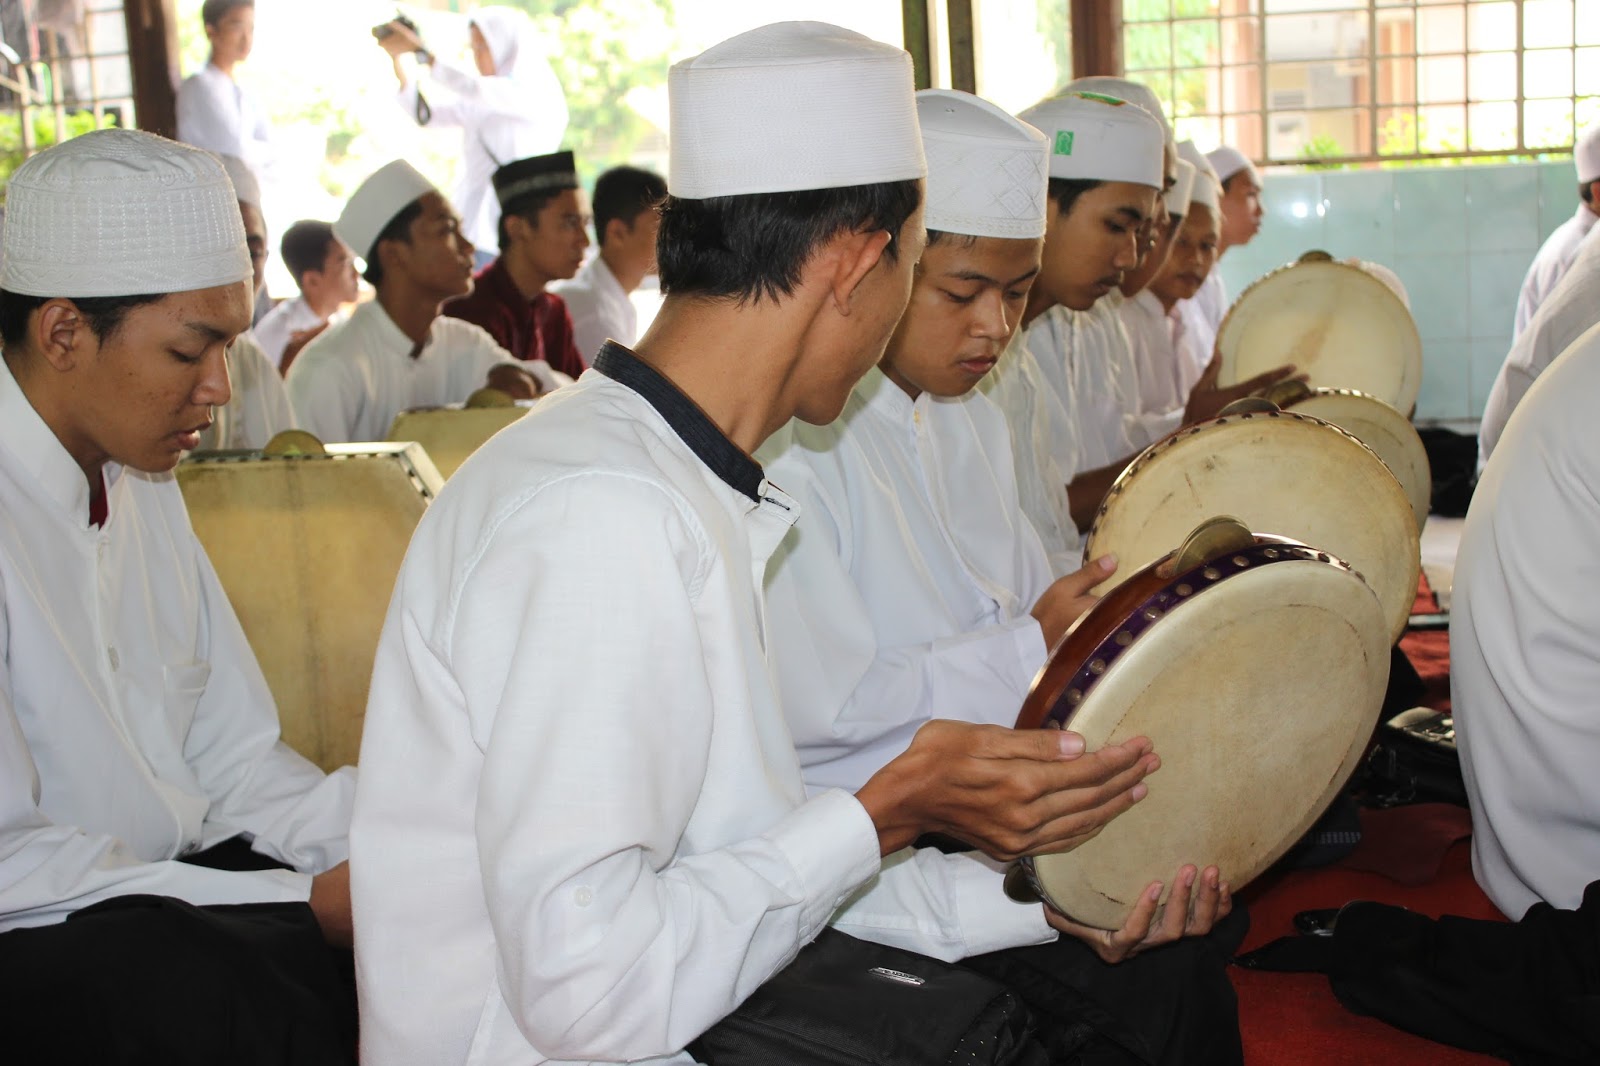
(1335, 322)
(1258, 674)
(1282, 473)
(1385, 430)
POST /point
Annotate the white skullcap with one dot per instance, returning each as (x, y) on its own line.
(1191, 152)
(986, 170)
(1207, 191)
(1135, 92)
(1385, 275)
(245, 187)
(121, 213)
(1586, 155)
(1177, 197)
(791, 106)
(1229, 161)
(1100, 138)
(389, 191)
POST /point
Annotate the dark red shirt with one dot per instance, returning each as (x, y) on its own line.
(540, 328)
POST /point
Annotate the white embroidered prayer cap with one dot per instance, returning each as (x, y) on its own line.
(245, 187)
(387, 192)
(121, 213)
(792, 106)
(1228, 161)
(1177, 197)
(986, 170)
(1135, 92)
(1100, 138)
(1190, 151)
(1586, 155)
(1206, 189)
(1385, 275)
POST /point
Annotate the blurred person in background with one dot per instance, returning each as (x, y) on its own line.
(214, 111)
(325, 269)
(626, 218)
(509, 107)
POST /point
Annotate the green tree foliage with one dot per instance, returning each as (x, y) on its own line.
(44, 134)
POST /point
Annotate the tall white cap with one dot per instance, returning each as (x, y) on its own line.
(987, 173)
(1101, 138)
(1586, 155)
(1135, 92)
(1229, 161)
(1207, 191)
(1188, 150)
(792, 106)
(245, 187)
(1177, 197)
(387, 192)
(121, 213)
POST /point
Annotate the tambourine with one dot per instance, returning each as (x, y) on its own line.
(1257, 666)
(1338, 324)
(1279, 472)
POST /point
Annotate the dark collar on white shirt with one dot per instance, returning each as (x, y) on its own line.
(709, 444)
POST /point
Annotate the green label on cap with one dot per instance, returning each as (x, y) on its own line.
(1103, 98)
(1063, 142)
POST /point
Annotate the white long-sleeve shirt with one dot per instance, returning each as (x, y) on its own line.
(1203, 314)
(259, 408)
(216, 114)
(906, 596)
(355, 376)
(1565, 315)
(1082, 355)
(1555, 258)
(1156, 405)
(581, 833)
(135, 725)
(1525, 645)
(600, 310)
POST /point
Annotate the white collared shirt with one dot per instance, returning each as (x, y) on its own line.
(600, 310)
(1158, 403)
(582, 833)
(1555, 258)
(354, 377)
(215, 113)
(1525, 644)
(1083, 356)
(283, 321)
(1203, 314)
(259, 408)
(1566, 313)
(135, 725)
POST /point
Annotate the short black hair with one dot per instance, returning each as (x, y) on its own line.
(1227, 185)
(1065, 191)
(102, 314)
(212, 12)
(938, 236)
(623, 193)
(398, 229)
(1586, 191)
(526, 207)
(754, 246)
(305, 247)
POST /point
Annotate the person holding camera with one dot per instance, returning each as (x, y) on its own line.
(510, 107)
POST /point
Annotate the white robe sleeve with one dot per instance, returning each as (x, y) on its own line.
(327, 394)
(610, 947)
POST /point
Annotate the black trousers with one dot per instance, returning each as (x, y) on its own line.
(153, 980)
(1171, 1005)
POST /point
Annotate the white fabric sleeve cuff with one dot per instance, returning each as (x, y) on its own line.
(990, 919)
(832, 845)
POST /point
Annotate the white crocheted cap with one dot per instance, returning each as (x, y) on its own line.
(121, 213)
(1101, 138)
(245, 186)
(1177, 197)
(1586, 155)
(1229, 161)
(388, 191)
(987, 171)
(1135, 92)
(792, 106)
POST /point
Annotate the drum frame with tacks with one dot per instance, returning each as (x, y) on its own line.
(1280, 472)
(1378, 425)
(1258, 672)
(307, 543)
(452, 433)
(1336, 323)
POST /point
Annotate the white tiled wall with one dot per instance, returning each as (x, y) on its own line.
(1461, 239)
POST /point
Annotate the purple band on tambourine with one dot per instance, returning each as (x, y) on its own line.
(1184, 586)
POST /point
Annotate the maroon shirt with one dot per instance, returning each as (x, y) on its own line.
(540, 328)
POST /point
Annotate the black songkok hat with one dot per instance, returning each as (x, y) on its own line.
(536, 174)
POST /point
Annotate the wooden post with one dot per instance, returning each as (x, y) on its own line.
(153, 64)
(918, 40)
(963, 46)
(1096, 38)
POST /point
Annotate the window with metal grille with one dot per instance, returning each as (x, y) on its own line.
(1294, 81)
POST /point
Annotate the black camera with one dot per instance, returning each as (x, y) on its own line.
(384, 30)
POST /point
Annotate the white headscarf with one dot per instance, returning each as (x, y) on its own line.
(512, 42)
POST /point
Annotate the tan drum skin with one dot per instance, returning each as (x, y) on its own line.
(450, 434)
(1383, 429)
(1258, 675)
(1279, 472)
(307, 548)
(1338, 324)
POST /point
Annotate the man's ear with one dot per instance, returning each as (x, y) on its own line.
(517, 227)
(616, 229)
(60, 334)
(854, 254)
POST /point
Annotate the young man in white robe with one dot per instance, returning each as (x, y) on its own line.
(627, 216)
(919, 590)
(1241, 220)
(1191, 260)
(1560, 249)
(324, 269)
(143, 784)
(582, 833)
(398, 351)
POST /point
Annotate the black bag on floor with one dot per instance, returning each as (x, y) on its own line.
(849, 1002)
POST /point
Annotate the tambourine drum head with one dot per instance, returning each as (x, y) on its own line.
(307, 548)
(450, 434)
(1335, 322)
(1281, 473)
(1386, 431)
(1260, 694)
